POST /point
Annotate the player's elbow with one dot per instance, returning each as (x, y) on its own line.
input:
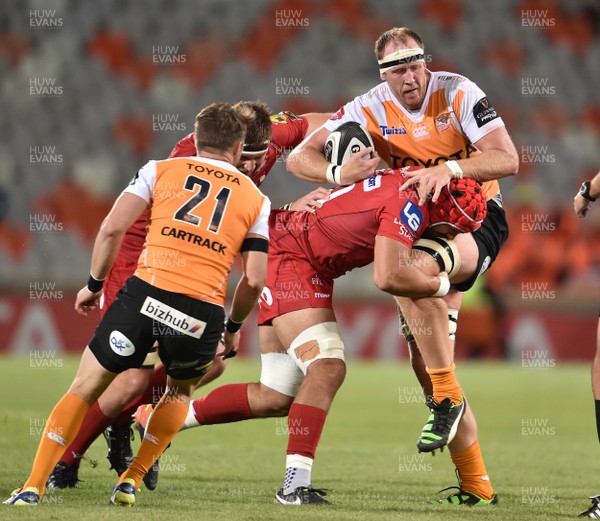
(294, 161)
(388, 281)
(112, 228)
(512, 162)
(255, 281)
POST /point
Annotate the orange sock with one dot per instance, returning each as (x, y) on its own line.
(165, 422)
(471, 470)
(61, 428)
(445, 384)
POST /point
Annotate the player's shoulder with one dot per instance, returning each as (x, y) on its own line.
(376, 95)
(450, 81)
(285, 117)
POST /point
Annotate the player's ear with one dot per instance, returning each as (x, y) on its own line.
(382, 76)
(236, 150)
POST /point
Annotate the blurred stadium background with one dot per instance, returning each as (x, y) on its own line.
(92, 90)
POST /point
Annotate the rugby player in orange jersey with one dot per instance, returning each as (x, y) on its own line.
(302, 352)
(445, 123)
(206, 212)
(268, 138)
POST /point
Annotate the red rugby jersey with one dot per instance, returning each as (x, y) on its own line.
(288, 131)
(341, 235)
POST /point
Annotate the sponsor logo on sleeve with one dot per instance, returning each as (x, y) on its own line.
(483, 112)
(159, 311)
(411, 216)
(372, 183)
(278, 118)
(338, 115)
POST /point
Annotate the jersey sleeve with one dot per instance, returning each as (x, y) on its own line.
(351, 111)
(184, 147)
(402, 219)
(288, 131)
(261, 225)
(476, 114)
(143, 182)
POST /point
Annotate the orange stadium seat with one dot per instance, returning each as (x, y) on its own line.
(590, 117)
(447, 14)
(135, 131)
(508, 56)
(113, 48)
(15, 241)
(203, 58)
(14, 47)
(265, 41)
(75, 208)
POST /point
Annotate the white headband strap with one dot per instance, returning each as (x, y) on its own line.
(400, 58)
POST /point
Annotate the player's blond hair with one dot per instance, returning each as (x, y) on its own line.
(396, 35)
(219, 127)
(258, 120)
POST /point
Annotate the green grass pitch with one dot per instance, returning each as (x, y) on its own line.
(536, 428)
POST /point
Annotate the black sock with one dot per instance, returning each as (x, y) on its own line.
(598, 418)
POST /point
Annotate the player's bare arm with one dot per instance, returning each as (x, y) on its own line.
(249, 288)
(498, 159)
(125, 211)
(588, 193)
(307, 161)
(393, 273)
(315, 120)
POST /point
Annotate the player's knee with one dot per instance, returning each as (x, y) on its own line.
(133, 382)
(452, 323)
(216, 369)
(272, 403)
(316, 343)
(277, 406)
(280, 374)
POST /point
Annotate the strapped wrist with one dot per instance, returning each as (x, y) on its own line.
(455, 169)
(232, 326)
(333, 174)
(94, 285)
(444, 287)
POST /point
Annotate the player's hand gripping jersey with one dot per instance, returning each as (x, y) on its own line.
(454, 115)
(288, 131)
(193, 241)
(308, 251)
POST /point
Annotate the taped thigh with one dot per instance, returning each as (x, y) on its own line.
(318, 342)
(444, 252)
(280, 373)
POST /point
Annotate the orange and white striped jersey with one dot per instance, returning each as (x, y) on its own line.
(201, 210)
(455, 114)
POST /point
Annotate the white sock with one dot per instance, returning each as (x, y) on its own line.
(190, 419)
(298, 471)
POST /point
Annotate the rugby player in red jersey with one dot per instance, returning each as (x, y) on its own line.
(302, 353)
(267, 139)
(445, 122)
